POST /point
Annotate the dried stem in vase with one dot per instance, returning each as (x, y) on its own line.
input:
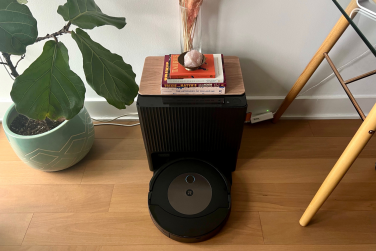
(189, 10)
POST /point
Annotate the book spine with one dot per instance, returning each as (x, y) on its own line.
(194, 91)
(166, 69)
(190, 85)
(223, 69)
(194, 80)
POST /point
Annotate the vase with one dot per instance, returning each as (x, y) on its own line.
(57, 149)
(190, 25)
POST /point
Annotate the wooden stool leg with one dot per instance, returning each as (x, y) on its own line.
(352, 151)
(328, 44)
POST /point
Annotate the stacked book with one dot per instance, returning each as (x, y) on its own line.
(209, 79)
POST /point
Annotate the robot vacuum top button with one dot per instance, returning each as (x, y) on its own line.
(190, 179)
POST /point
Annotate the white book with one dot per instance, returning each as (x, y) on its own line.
(219, 76)
(193, 91)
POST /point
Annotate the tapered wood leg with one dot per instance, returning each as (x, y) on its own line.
(326, 46)
(352, 151)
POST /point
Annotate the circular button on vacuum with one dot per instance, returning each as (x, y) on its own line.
(189, 193)
(190, 179)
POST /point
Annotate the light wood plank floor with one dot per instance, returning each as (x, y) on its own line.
(100, 204)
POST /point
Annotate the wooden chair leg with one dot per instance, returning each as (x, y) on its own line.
(352, 151)
(327, 45)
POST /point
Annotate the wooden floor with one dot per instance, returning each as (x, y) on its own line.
(100, 204)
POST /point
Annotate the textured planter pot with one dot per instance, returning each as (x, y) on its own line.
(54, 150)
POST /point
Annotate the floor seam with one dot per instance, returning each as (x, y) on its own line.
(310, 128)
(112, 193)
(27, 229)
(262, 231)
(83, 173)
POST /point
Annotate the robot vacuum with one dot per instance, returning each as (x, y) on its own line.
(189, 200)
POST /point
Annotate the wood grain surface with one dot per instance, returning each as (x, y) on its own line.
(328, 227)
(153, 69)
(194, 247)
(13, 228)
(2, 134)
(101, 203)
(128, 228)
(16, 172)
(55, 198)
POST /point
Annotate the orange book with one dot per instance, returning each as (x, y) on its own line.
(207, 70)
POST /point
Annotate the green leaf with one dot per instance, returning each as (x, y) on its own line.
(22, 1)
(18, 27)
(48, 88)
(87, 15)
(106, 72)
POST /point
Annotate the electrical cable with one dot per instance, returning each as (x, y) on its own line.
(102, 124)
(114, 124)
(339, 69)
(99, 120)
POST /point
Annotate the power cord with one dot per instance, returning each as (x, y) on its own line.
(114, 124)
(339, 69)
(102, 124)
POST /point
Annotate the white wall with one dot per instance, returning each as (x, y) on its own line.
(273, 39)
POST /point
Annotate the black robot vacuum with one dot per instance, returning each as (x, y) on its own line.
(192, 145)
(189, 200)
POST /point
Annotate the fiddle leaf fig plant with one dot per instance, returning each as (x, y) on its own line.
(87, 15)
(18, 27)
(106, 72)
(48, 87)
(58, 91)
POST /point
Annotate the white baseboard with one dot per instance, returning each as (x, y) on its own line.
(304, 107)
(100, 109)
(313, 107)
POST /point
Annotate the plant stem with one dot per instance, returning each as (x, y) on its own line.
(63, 31)
(22, 57)
(10, 64)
